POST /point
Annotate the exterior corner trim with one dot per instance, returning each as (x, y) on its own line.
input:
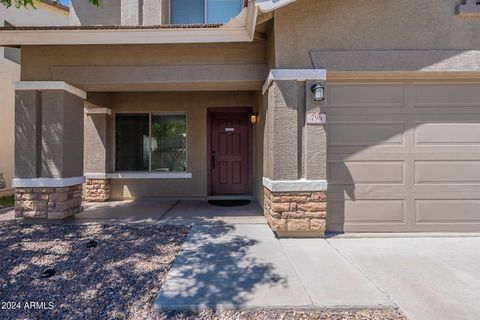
(49, 85)
(271, 5)
(293, 74)
(47, 182)
(90, 111)
(295, 185)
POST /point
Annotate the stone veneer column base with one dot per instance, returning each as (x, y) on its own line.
(48, 203)
(296, 214)
(97, 190)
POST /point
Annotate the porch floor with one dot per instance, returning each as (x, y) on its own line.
(169, 211)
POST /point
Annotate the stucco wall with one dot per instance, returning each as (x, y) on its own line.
(82, 13)
(10, 71)
(258, 132)
(195, 105)
(43, 15)
(120, 12)
(37, 60)
(326, 25)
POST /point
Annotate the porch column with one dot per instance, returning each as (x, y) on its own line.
(295, 185)
(97, 159)
(48, 149)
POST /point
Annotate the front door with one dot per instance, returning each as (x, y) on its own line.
(230, 153)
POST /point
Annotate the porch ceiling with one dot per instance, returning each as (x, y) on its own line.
(163, 78)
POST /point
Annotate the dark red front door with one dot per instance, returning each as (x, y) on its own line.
(230, 156)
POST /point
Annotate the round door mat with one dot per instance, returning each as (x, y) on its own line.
(228, 203)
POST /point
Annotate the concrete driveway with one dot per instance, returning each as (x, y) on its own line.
(244, 266)
(428, 278)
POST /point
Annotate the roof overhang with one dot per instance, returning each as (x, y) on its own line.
(240, 29)
(121, 36)
(271, 5)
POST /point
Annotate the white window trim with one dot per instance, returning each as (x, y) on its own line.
(139, 175)
(147, 174)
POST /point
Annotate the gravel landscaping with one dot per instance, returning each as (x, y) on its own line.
(367, 314)
(96, 271)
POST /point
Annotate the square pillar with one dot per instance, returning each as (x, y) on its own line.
(48, 149)
(295, 184)
(97, 160)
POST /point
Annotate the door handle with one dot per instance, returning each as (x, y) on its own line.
(213, 159)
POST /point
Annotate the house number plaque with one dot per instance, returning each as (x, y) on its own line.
(316, 118)
(229, 129)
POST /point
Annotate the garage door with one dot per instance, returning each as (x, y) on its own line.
(404, 156)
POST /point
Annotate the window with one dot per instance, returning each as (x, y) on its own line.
(204, 11)
(151, 142)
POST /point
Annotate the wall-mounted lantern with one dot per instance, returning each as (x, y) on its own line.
(318, 92)
(254, 118)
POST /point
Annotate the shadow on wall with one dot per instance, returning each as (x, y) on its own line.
(393, 144)
(389, 142)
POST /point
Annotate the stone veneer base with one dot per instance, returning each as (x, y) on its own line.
(97, 190)
(48, 203)
(296, 214)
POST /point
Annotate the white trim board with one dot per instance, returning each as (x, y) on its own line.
(271, 5)
(294, 74)
(49, 85)
(295, 185)
(47, 182)
(139, 175)
(90, 111)
(123, 36)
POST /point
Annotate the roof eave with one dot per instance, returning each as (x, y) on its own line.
(271, 5)
(89, 36)
(121, 36)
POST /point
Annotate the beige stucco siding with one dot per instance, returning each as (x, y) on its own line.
(10, 71)
(310, 25)
(258, 132)
(195, 105)
(38, 60)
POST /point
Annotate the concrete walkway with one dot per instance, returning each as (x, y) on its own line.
(171, 211)
(245, 266)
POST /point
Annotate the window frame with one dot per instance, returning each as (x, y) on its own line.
(205, 14)
(149, 172)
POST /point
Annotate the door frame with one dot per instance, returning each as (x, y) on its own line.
(248, 111)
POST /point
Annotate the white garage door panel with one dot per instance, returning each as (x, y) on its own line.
(447, 210)
(367, 172)
(367, 95)
(447, 172)
(408, 167)
(446, 95)
(365, 133)
(460, 133)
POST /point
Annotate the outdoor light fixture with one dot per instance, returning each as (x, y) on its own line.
(318, 92)
(254, 117)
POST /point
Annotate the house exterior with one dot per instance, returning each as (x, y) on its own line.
(341, 116)
(46, 13)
